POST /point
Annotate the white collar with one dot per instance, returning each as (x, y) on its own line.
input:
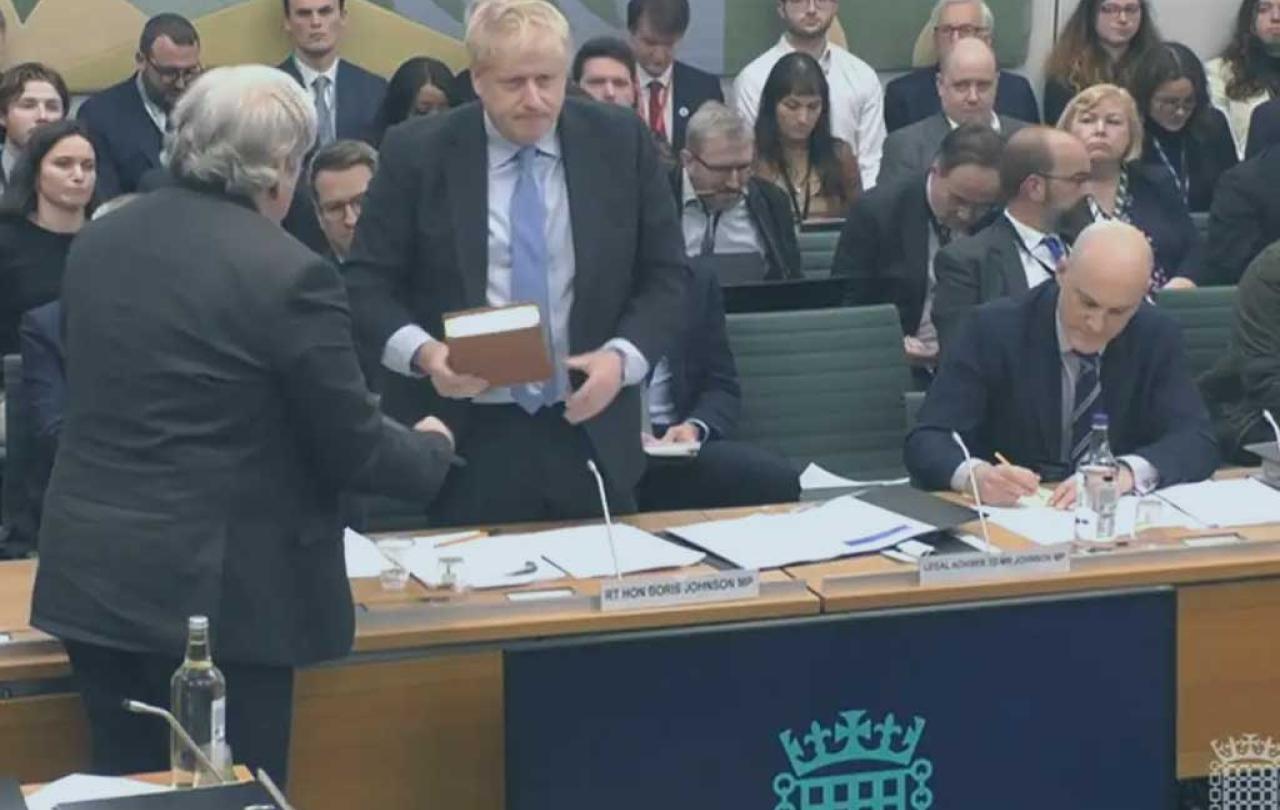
(647, 78)
(995, 121)
(158, 116)
(786, 47)
(502, 151)
(1031, 238)
(310, 74)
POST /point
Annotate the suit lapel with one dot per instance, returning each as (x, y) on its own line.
(583, 170)
(915, 244)
(1006, 256)
(679, 101)
(469, 197)
(1048, 370)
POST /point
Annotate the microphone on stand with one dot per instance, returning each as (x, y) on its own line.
(608, 519)
(137, 707)
(973, 481)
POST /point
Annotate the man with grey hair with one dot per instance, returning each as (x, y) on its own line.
(724, 208)
(216, 411)
(914, 97)
(340, 175)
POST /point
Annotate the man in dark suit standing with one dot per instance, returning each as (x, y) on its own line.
(1244, 217)
(1044, 173)
(914, 96)
(724, 210)
(524, 197)
(1025, 377)
(892, 233)
(967, 87)
(128, 121)
(215, 411)
(669, 91)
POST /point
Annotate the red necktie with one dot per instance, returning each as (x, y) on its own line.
(657, 109)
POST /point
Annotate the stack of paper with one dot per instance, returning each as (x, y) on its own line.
(363, 557)
(1046, 526)
(815, 477)
(80, 787)
(839, 528)
(1243, 502)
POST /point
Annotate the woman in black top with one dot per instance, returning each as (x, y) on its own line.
(47, 202)
(420, 86)
(1186, 138)
(1103, 42)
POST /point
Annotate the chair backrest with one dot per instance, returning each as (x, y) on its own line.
(1207, 317)
(824, 386)
(912, 402)
(818, 251)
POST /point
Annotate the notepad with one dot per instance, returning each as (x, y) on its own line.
(1242, 502)
(817, 477)
(1046, 526)
(80, 787)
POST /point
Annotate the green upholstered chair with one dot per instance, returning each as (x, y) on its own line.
(817, 252)
(1206, 315)
(824, 386)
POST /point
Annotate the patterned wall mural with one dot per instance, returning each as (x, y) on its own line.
(93, 41)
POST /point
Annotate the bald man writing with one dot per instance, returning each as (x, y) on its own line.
(1025, 376)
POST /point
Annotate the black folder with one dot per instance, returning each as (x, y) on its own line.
(226, 797)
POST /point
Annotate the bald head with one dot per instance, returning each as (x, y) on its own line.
(1104, 282)
(1043, 174)
(967, 82)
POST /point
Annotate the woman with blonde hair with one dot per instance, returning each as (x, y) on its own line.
(1105, 117)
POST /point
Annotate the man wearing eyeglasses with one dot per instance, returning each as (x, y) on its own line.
(914, 96)
(1044, 173)
(128, 120)
(339, 177)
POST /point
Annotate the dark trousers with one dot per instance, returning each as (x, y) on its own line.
(725, 473)
(259, 710)
(523, 468)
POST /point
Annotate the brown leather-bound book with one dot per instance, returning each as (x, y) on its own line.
(500, 345)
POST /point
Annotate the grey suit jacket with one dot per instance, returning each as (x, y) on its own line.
(973, 270)
(911, 150)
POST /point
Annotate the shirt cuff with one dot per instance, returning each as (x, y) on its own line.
(960, 478)
(701, 426)
(634, 367)
(1146, 478)
(402, 347)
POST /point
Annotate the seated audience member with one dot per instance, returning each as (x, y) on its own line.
(128, 120)
(31, 94)
(967, 87)
(894, 231)
(605, 68)
(914, 96)
(1244, 218)
(693, 396)
(420, 86)
(795, 148)
(856, 98)
(340, 175)
(1026, 376)
(1186, 137)
(724, 209)
(1044, 174)
(1103, 42)
(1122, 187)
(1264, 128)
(668, 91)
(1248, 72)
(43, 209)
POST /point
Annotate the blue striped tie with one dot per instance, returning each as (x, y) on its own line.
(1088, 402)
(529, 267)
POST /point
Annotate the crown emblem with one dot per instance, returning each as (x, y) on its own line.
(1247, 748)
(853, 738)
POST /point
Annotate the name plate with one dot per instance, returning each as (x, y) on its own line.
(956, 568)
(664, 591)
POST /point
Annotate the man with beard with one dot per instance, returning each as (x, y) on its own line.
(1044, 173)
(128, 121)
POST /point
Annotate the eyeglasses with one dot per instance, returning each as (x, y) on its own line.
(806, 3)
(744, 170)
(336, 211)
(172, 75)
(961, 31)
(1117, 10)
(1074, 179)
(1175, 105)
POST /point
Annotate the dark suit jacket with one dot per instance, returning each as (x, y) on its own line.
(704, 377)
(770, 212)
(1208, 155)
(1264, 128)
(216, 412)
(125, 138)
(913, 97)
(973, 270)
(884, 249)
(44, 374)
(1158, 210)
(1057, 95)
(691, 89)
(1244, 218)
(1000, 387)
(912, 149)
(421, 250)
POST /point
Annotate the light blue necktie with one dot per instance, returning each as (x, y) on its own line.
(529, 267)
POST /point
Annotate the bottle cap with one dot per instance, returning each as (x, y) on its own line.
(1100, 420)
(198, 623)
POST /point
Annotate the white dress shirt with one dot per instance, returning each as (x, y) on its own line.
(857, 101)
(309, 76)
(735, 232)
(668, 118)
(503, 172)
(1037, 261)
(158, 116)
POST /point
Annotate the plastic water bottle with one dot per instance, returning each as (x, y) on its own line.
(198, 695)
(1097, 487)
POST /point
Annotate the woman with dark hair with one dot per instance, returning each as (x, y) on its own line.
(47, 202)
(795, 149)
(1186, 136)
(420, 86)
(1103, 42)
(1248, 72)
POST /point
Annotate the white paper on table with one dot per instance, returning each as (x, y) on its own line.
(1242, 502)
(363, 557)
(486, 562)
(79, 787)
(1046, 526)
(838, 528)
(816, 477)
(584, 551)
(673, 450)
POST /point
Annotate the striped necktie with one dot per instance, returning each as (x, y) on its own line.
(1088, 401)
